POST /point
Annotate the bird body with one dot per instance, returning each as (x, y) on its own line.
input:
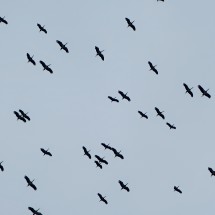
(152, 67)
(130, 24)
(30, 183)
(99, 53)
(124, 96)
(159, 113)
(86, 152)
(101, 160)
(19, 117)
(142, 114)
(42, 28)
(204, 92)
(46, 67)
(188, 90)
(116, 153)
(102, 199)
(113, 99)
(171, 126)
(62, 46)
(177, 189)
(2, 19)
(46, 152)
(123, 186)
(30, 59)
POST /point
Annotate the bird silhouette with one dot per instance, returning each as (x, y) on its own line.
(86, 152)
(177, 189)
(130, 24)
(204, 92)
(46, 152)
(62, 46)
(30, 59)
(30, 183)
(123, 186)
(102, 199)
(152, 67)
(99, 53)
(188, 90)
(142, 114)
(42, 28)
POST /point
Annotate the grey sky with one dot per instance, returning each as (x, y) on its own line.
(69, 109)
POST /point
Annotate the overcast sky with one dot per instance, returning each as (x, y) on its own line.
(70, 109)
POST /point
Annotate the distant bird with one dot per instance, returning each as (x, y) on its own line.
(34, 211)
(188, 90)
(46, 152)
(101, 160)
(30, 183)
(211, 171)
(123, 186)
(124, 96)
(2, 19)
(1, 167)
(106, 146)
(171, 126)
(204, 92)
(24, 115)
(62, 46)
(130, 24)
(177, 189)
(30, 59)
(159, 113)
(116, 153)
(113, 99)
(160, 0)
(102, 199)
(152, 67)
(142, 114)
(42, 28)
(86, 152)
(46, 67)
(99, 53)
(19, 117)
(98, 164)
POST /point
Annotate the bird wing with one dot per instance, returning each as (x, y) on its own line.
(33, 186)
(27, 179)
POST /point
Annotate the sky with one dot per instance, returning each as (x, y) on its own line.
(70, 109)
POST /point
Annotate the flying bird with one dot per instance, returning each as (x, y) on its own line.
(124, 96)
(2, 19)
(204, 92)
(106, 146)
(34, 211)
(124, 186)
(160, 0)
(113, 99)
(130, 24)
(116, 153)
(102, 199)
(171, 126)
(152, 67)
(86, 152)
(42, 28)
(1, 167)
(19, 117)
(211, 171)
(62, 46)
(177, 189)
(142, 114)
(99, 53)
(98, 164)
(188, 90)
(46, 152)
(46, 67)
(30, 183)
(24, 115)
(159, 113)
(30, 59)
(101, 160)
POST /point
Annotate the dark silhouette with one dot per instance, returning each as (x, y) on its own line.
(46, 152)
(24, 115)
(86, 152)
(62, 46)
(142, 114)
(113, 99)
(160, 0)
(102, 199)
(30, 183)
(211, 171)
(2, 19)
(152, 67)
(123, 186)
(116, 153)
(101, 160)
(204, 92)
(46, 67)
(19, 117)
(34, 211)
(171, 126)
(159, 113)
(130, 24)
(98, 164)
(124, 96)
(106, 146)
(188, 90)
(177, 189)
(30, 59)
(99, 53)
(42, 28)
(1, 167)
